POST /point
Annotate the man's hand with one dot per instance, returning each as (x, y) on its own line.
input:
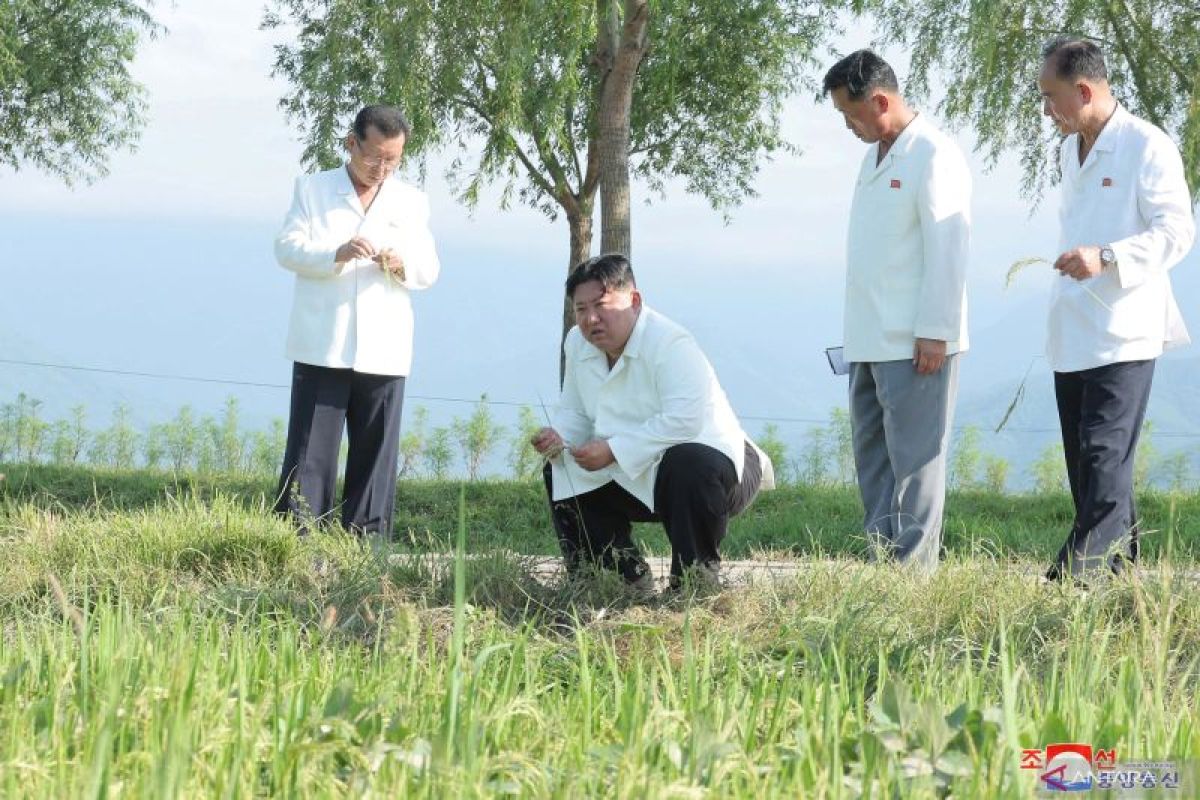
(390, 262)
(548, 442)
(358, 247)
(1080, 263)
(593, 455)
(929, 355)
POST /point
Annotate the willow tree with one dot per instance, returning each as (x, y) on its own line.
(551, 98)
(988, 54)
(67, 100)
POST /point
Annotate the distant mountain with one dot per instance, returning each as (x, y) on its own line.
(205, 299)
(991, 380)
(61, 390)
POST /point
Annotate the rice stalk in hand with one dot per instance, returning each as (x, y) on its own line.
(1021, 264)
(1017, 266)
(395, 274)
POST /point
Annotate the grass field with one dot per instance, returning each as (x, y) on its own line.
(796, 520)
(186, 643)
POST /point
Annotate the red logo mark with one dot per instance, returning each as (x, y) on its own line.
(1072, 767)
(896, 183)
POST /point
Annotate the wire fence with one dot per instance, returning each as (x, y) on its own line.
(770, 418)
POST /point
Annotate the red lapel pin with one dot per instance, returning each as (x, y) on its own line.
(896, 183)
(1106, 182)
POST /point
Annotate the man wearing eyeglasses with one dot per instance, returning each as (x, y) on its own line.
(906, 307)
(358, 240)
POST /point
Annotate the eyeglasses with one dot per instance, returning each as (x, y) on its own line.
(375, 162)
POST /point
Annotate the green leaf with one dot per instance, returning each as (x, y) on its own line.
(955, 764)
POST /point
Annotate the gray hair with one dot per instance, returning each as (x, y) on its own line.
(1073, 58)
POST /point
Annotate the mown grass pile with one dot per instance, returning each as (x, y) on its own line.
(196, 647)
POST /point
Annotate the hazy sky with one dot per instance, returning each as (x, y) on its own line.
(217, 146)
(165, 265)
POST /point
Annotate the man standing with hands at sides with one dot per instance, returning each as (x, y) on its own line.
(906, 307)
(643, 433)
(358, 240)
(1126, 219)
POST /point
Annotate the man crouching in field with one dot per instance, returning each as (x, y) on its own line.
(643, 433)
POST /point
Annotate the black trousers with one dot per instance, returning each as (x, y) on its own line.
(324, 401)
(1101, 412)
(696, 492)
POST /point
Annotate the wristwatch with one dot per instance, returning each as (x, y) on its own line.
(1107, 257)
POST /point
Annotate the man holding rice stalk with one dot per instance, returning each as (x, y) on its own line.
(906, 307)
(643, 432)
(358, 240)
(1126, 219)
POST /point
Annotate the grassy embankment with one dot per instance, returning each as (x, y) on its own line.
(186, 646)
(793, 520)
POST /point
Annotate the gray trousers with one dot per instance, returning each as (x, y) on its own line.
(326, 401)
(901, 424)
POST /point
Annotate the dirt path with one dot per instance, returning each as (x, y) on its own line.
(735, 573)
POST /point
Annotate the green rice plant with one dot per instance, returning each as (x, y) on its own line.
(191, 649)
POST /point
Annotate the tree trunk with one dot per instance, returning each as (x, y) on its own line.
(620, 51)
(581, 249)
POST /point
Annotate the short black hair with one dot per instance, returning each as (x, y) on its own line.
(612, 270)
(1074, 58)
(388, 120)
(860, 72)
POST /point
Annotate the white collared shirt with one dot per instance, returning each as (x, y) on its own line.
(907, 247)
(353, 315)
(1131, 194)
(661, 392)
